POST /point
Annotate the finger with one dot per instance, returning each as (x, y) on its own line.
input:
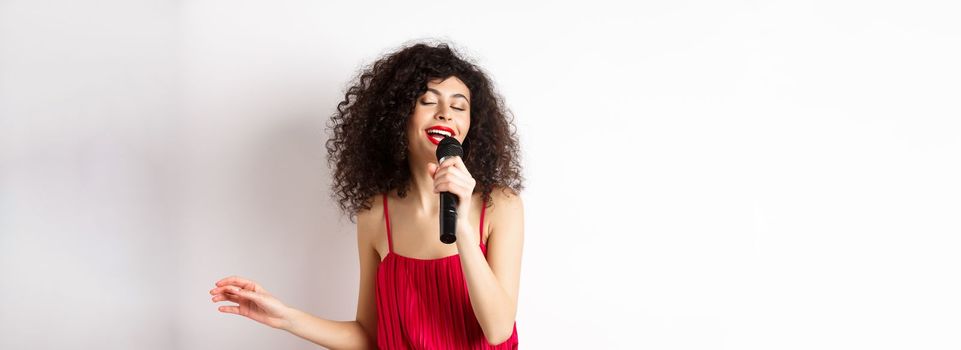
(455, 176)
(221, 290)
(439, 173)
(229, 309)
(432, 168)
(243, 294)
(440, 186)
(449, 187)
(450, 161)
(238, 281)
(453, 169)
(457, 163)
(225, 297)
(449, 180)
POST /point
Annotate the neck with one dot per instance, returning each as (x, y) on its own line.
(421, 191)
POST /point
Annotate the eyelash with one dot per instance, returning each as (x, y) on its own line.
(426, 103)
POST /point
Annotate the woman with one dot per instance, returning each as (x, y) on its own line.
(415, 291)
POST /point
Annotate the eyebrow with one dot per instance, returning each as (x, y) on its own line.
(454, 95)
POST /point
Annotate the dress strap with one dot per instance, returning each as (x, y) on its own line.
(483, 209)
(390, 242)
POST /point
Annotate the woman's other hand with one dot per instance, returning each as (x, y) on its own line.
(253, 301)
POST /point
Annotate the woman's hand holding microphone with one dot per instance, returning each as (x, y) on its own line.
(452, 176)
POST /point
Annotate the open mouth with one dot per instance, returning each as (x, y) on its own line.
(438, 133)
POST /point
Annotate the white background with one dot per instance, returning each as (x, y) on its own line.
(700, 174)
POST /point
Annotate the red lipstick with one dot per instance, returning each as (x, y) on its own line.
(436, 133)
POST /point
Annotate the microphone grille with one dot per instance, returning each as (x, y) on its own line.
(448, 147)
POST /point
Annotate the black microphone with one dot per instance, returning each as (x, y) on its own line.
(448, 147)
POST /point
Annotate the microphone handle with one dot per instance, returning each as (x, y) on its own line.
(448, 217)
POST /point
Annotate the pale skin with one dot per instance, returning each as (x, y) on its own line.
(492, 282)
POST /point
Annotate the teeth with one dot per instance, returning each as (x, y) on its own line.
(436, 131)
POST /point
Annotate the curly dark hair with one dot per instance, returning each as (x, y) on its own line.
(368, 148)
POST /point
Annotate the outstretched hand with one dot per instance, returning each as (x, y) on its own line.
(253, 302)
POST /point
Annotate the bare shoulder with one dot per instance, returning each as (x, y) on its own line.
(507, 209)
(368, 219)
(506, 241)
(505, 199)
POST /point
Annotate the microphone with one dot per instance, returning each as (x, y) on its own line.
(448, 147)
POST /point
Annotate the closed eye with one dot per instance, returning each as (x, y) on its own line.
(434, 103)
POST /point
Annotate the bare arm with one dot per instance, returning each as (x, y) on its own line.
(361, 333)
(256, 303)
(329, 334)
(493, 283)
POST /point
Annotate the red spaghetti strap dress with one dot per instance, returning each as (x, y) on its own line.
(424, 304)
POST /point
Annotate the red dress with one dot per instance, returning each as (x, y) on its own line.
(424, 304)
